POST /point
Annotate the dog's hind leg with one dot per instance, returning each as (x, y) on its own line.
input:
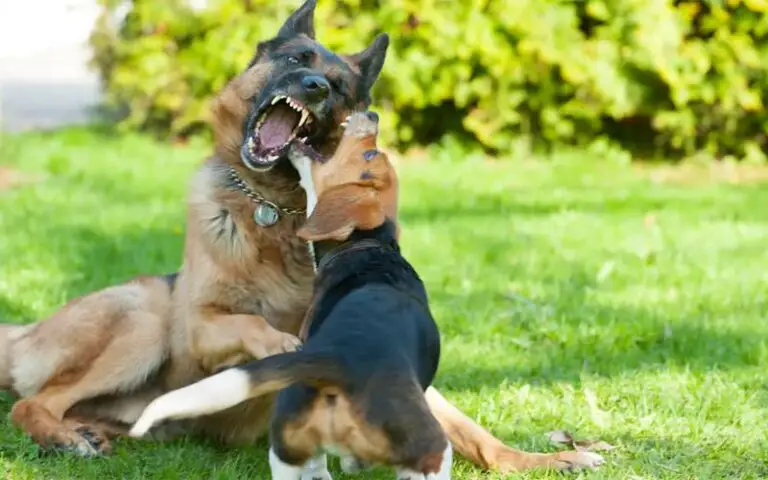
(33, 417)
(95, 431)
(135, 348)
(485, 450)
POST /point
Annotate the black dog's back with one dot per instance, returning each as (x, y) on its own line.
(371, 315)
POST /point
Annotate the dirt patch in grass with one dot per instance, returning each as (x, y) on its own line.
(10, 178)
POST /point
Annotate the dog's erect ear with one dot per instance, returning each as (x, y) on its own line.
(371, 60)
(300, 21)
(340, 211)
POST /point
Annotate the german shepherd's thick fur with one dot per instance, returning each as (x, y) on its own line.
(241, 293)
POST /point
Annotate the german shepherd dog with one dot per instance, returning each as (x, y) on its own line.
(245, 282)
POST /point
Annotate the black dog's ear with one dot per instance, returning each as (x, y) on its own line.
(300, 21)
(371, 60)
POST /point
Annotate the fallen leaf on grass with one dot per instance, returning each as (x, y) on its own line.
(561, 436)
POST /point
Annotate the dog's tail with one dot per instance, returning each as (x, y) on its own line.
(238, 384)
(8, 332)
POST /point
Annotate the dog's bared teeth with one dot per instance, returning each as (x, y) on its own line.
(303, 139)
(294, 105)
(304, 117)
(260, 122)
(344, 124)
(277, 99)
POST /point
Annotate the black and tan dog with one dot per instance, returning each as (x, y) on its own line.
(357, 386)
(245, 283)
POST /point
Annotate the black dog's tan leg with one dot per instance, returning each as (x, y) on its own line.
(223, 340)
(485, 450)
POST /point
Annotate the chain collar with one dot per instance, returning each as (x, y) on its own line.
(258, 198)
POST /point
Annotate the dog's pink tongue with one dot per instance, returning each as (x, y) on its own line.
(278, 125)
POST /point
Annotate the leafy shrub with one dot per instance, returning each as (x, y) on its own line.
(657, 75)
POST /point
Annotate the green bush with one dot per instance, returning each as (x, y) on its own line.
(655, 75)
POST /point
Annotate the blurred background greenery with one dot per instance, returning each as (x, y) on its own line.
(657, 78)
(615, 300)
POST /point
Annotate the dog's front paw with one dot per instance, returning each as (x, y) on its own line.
(352, 465)
(324, 475)
(402, 474)
(316, 468)
(290, 343)
(277, 342)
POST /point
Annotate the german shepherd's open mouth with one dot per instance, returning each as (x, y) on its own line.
(277, 123)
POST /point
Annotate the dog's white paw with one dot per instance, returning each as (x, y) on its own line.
(403, 474)
(323, 475)
(352, 465)
(316, 468)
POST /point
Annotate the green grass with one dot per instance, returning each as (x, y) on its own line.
(554, 282)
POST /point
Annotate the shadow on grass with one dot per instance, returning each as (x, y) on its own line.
(566, 333)
(549, 357)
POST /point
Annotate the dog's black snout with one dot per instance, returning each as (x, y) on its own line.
(373, 116)
(316, 87)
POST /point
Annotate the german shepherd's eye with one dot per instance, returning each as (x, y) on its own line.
(293, 60)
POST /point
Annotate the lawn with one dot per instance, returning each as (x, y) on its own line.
(618, 303)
